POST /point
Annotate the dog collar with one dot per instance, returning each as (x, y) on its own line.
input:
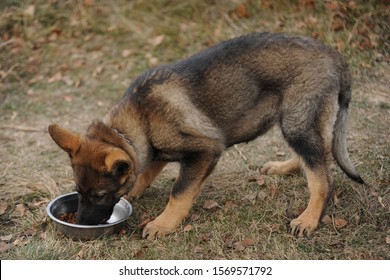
(121, 135)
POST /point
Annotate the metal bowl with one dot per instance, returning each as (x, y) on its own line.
(68, 203)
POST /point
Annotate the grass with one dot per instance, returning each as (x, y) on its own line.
(68, 61)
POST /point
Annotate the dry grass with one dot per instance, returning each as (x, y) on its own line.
(68, 61)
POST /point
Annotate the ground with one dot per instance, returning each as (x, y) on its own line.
(67, 62)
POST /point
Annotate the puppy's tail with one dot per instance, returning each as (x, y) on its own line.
(339, 145)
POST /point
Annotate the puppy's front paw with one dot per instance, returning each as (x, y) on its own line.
(303, 226)
(156, 229)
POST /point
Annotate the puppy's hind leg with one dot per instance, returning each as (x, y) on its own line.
(290, 166)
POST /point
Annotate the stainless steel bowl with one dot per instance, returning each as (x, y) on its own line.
(68, 203)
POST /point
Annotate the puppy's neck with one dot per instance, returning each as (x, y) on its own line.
(128, 127)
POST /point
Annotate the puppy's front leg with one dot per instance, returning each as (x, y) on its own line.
(193, 171)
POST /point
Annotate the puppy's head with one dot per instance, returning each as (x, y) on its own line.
(103, 171)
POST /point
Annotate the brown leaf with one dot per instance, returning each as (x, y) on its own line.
(4, 247)
(126, 53)
(68, 98)
(29, 11)
(229, 205)
(228, 242)
(98, 70)
(239, 246)
(55, 78)
(248, 242)
(340, 223)
(241, 11)
(210, 204)
(3, 206)
(326, 219)
(388, 239)
(20, 209)
(156, 41)
(266, 4)
(306, 3)
(333, 6)
(188, 228)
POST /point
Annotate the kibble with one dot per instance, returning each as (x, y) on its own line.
(69, 217)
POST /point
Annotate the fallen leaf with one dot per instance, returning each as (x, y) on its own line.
(306, 3)
(340, 223)
(3, 206)
(228, 242)
(55, 78)
(333, 6)
(20, 209)
(229, 205)
(98, 70)
(210, 204)
(239, 246)
(195, 217)
(68, 98)
(388, 239)
(326, 219)
(126, 53)
(188, 228)
(280, 153)
(248, 242)
(29, 11)
(4, 247)
(241, 11)
(156, 41)
(266, 4)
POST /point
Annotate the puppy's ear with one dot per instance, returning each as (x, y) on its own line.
(66, 140)
(118, 164)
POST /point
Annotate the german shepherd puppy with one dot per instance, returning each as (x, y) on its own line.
(192, 110)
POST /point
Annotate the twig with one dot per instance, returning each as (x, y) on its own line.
(240, 153)
(22, 128)
(10, 41)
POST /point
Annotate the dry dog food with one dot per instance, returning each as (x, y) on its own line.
(68, 217)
